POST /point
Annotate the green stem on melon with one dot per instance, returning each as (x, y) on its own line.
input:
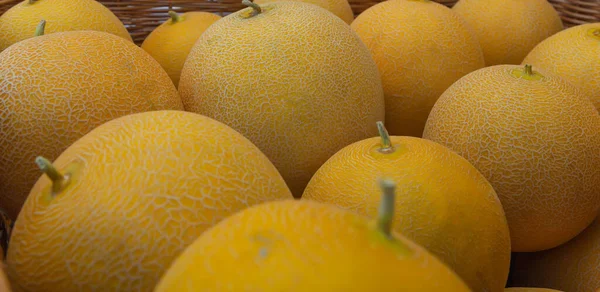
(39, 30)
(59, 181)
(528, 70)
(32, 2)
(597, 32)
(174, 16)
(255, 7)
(385, 213)
(386, 142)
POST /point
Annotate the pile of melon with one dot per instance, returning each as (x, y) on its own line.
(294, 146)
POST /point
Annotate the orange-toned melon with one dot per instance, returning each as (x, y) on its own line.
(530, 289)
(444, 204)
(571, 267)
(290, 76)
(508, 29)
(19, 22)
(421, 47)
(171, 41)
(298, 245)
(573, 54)
(341, 8)
(54, 88)
(122, 202)
(536, 138)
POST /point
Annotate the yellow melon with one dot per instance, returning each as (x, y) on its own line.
(341, 8)
(4, 282)
(444, 204)
(290, 76)
(529, 289)
(297, 245)
(571, 267)
(421, 47)
(508, 29)
(171, 42)
(124, 200)
(55, 88)
(535, 137)
(19, 22)
(573, 54)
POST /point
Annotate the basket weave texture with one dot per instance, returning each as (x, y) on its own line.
(142, 16)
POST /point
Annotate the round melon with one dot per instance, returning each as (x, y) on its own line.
(57, 87)
(508, 29)
(117, 207)
(571, 267)
(529, 289)
(573, 54)
(535, 137)
(298, 245)
(341, 8)
(19, 22)
(290, 76)
(421, 47)
(436, 187)
(171, 42)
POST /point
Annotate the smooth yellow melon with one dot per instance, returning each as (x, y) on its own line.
(571, 267)
(298, 245)
(4, 282)
(421, 47)
(171, 42)
(535, 137)
(123, 201)
(19, 22)
(508, 29)
(290, 76)
(529, 289)
(444, 204)
(573, 54)
(55, 88)
(341, 8)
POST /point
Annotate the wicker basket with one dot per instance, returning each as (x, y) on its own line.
(142, 16)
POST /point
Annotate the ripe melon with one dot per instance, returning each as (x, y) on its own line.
(171, 42)
(123, 201)
(290, 76)
(508, 29)
(341, 8)
(19, 22)
(535, 137)
(421, 47)
(573, 54)
(298, 245)
(55, 88)
(4, 282)
(571, 267)
(444, 204)
(529, 289)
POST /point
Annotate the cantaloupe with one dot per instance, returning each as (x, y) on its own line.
(56, 87)
(573, 54)
(298, 245)
(421, 47)
(117, 206)
(571, 267)
(290, 76)
(536, 138)
(508, 29)
(19, 22)
(171, 41)
(341, 8)
(444, 204)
